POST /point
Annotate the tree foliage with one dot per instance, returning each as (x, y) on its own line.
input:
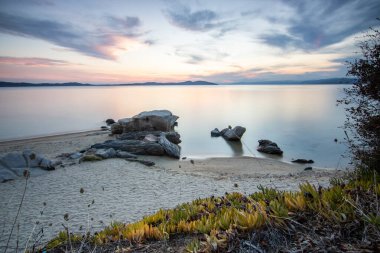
(363, 103)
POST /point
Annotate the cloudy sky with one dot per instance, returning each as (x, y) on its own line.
(119, 41)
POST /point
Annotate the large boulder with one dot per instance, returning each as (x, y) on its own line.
(157, 120)
(234, 134)
(269, 147)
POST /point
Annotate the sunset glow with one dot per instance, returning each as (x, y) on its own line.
(139, 41)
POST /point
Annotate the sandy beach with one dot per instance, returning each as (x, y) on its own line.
(126, 191)
(221, 167)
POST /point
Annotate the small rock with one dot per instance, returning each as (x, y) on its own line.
(192, 161)
(336, 140)
(236, 185)
(184, 158)
(90, 158)
(110, 121)
(308, 168)
(302, 161)
(215, 133)
(103, 128)
(76, 155)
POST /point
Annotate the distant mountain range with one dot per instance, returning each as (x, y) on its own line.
(319, 81)
(74, 84)
(187, 83)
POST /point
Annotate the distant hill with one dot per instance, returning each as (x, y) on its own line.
(74, 84)
(319, 81)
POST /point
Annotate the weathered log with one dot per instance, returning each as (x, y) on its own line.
(173, 137)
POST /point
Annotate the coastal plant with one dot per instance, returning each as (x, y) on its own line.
(219, 219)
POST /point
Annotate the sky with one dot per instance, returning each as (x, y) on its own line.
(222, 41)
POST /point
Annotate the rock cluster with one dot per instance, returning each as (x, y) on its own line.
(269, 147)
(230, 134)
(147, 133)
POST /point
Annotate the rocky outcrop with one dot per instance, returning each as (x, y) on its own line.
(230, 134)
(13, 165)
(157, 120)
(269, 147)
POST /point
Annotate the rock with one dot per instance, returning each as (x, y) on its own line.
(234, 134)
(135, 147)
(150, 138)
(172, 136)
(106, 153)
(90, 158)
(110, 121)
(13, 160)
(46, 164)
(144, 162)
(157, 120)
(336, 140)
(116, 128)
(75, 155)
(104, 128)
(223, 131)
(308, 168)
(14, 164)
(269, 147)
(215, 133)
(302, 161)
(171, 149)
(6, 174)
(124, 154)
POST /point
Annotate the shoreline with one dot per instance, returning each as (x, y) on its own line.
(52, 146)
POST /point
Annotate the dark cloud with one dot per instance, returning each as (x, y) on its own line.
(322, 23)
(128, 26)
(88, 42)
(201, 20)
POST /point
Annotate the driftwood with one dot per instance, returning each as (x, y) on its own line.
(173, 137)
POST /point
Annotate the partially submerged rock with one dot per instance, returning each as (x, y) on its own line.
(234, 134)
(269, 147)
(157, 120)
(110, 121)
(230, 134)
(302, 161)
(215, 133)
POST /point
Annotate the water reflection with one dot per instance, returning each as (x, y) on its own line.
(303, 120)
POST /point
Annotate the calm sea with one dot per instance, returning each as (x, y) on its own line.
(302, 120)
